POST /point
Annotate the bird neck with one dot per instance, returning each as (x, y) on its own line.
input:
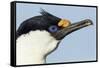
(33, 47)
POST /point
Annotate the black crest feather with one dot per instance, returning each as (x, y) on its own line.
(49, 15)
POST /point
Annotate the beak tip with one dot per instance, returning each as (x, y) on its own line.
(89, 22)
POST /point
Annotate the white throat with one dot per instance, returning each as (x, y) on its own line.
(33, 46)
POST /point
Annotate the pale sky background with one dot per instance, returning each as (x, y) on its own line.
(78, 46)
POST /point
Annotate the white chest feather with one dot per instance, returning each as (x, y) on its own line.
(32, 47)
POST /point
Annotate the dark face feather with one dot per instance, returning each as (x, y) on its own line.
(49, 22)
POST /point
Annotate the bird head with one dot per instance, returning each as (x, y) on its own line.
(57, 27)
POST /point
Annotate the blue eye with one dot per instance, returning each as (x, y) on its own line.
(53, 28)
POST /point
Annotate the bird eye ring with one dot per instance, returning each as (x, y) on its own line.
(53, 28)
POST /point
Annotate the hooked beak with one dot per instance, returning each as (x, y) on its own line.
(59, 35)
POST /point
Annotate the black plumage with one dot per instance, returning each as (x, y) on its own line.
(41, 22)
